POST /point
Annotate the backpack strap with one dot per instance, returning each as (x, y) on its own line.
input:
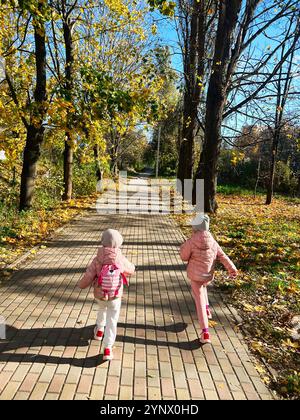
(124, 279)
(103, 273)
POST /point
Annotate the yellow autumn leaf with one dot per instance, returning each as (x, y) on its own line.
(260, 369)
(259, 308)
(257, 346)
(289, 343)
(248, 307)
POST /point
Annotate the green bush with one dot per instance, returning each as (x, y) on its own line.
(243, 175)
(49, 188)
(285, 181)
(84, 179)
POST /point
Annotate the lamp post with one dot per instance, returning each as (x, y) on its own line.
(158, 150)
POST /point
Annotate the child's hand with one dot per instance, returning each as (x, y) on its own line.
(233, 274)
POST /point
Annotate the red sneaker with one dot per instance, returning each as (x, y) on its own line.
(108, 354)
(98, 334)
(205, 338)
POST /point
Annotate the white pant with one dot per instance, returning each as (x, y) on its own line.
(108, 317)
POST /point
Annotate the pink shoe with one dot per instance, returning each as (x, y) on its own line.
(205, 338)
(108, 354)
(98, 334)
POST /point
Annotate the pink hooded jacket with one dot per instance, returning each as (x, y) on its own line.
(202, 251)
(104, 256)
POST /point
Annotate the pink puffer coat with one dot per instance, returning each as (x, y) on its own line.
(105, 256)
(202, 251)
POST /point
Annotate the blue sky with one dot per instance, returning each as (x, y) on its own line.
(168, 36)
(263, 44)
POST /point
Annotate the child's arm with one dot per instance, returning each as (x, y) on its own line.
(89, 276)
(90, 273)
(129, 268)
(226, 261)
(185, 251)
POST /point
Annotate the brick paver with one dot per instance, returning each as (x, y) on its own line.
(49, 352)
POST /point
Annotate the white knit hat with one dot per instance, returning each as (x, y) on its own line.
(201, 222)
(111, 238)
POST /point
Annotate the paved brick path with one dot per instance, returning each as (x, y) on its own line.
(49, 353)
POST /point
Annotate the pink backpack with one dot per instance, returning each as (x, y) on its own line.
(111, 281)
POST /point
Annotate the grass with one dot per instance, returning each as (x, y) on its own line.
(243, 191)
(236, 190)
(21, 231)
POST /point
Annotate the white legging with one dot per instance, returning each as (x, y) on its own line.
(108, 317)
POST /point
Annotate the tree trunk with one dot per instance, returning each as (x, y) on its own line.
(257, 176)
(186, 152)
(194, 73)
(215, 102)
(283, 88)
(298, 186)
(31, 156)
(114, 167)
(14, 176)
(35, 131)
(178, 140)
(207, 168)
(68, 152)
(68, 168)
(113, 158)
(270, 187)
(98, 166)
(114, 152)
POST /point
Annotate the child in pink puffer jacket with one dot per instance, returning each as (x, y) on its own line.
(109, 255)
(202, 251)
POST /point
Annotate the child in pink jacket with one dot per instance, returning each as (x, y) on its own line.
(202, 251)
(109, 310)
